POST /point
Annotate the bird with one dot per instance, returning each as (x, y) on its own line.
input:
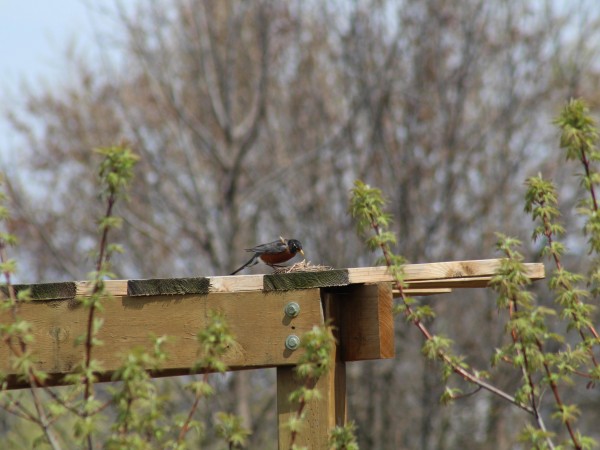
(273, 253)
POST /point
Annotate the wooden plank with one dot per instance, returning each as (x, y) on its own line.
(473, 282)
(440, 271)
(418, 292)
(473, 273)
(320, 415)
(366, 321)
(256, 319)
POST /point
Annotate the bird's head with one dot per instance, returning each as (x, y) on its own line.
(295, 246)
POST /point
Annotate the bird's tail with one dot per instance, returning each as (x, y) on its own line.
(251, 262)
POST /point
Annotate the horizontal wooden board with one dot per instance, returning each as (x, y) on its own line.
(452, 274)
(437, 273)
(256, 319)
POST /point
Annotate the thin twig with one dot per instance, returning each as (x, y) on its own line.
(186, 425)
(89, 339)
(16, 408)
(586, 164)
(468, 394)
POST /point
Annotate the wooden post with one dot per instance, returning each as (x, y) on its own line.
(320, 415)
(365, 321)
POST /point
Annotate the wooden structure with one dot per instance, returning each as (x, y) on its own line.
(358, 301)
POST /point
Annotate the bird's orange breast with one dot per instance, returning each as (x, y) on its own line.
(276, 258)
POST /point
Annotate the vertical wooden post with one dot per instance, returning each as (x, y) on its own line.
(323, 414)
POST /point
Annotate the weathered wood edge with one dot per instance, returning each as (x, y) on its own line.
(305, 280)
(45, 291)
(168, 286)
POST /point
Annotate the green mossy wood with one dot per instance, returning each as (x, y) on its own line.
(305, 280)
(168, 286)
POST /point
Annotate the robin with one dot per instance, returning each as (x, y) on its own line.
(273, 253)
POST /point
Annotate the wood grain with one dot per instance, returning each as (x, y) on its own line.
(304, 280)
(43, 291)
(256, 319)
(365, 321)
(168, 286)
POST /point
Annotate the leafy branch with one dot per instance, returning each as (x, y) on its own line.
(366, 206)
(115, 173)
(528, 330)
(541, 201)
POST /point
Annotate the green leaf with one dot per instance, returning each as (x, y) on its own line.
(343, 437)
(229, 427)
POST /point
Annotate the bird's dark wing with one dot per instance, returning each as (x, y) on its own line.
(272, 247)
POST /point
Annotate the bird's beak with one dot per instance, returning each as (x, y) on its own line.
(302, 251)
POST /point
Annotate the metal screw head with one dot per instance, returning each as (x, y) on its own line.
(292, 309)
(292, 342)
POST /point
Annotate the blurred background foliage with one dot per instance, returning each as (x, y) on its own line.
(253, 118)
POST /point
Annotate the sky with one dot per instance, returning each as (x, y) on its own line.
(34, 33)
(34, 36)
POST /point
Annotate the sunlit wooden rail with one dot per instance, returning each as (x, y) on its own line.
(357, 300)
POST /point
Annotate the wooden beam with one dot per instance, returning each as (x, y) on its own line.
(256, 319)
(322, 414)
(466, 274)
(365, 321)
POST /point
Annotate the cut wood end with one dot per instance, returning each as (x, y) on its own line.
(302, 266)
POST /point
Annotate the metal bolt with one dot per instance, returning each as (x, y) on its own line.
(292, 342)
(292, 309)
